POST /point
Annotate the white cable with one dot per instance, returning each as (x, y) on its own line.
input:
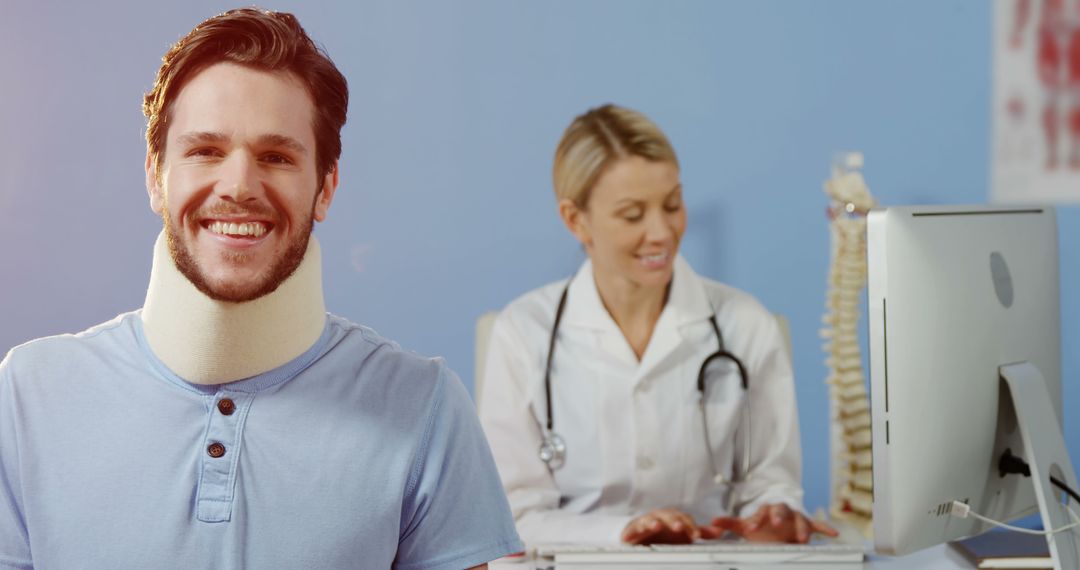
(962, 511)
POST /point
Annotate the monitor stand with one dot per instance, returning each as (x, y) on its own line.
(1046, 454)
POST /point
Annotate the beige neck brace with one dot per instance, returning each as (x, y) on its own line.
(212, 342)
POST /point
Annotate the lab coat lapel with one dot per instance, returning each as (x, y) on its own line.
(665, 339)
(687, 303)
(585, 309)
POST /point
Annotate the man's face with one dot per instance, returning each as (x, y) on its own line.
(238, 188)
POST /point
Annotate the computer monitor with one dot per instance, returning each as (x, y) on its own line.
(954, 294)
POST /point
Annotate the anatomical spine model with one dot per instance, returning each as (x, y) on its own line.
(852, 480)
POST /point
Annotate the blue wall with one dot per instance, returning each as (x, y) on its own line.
(446, 211)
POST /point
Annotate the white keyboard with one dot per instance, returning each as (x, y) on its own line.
(707, 552)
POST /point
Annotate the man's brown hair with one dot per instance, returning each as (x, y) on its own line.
(260, 39)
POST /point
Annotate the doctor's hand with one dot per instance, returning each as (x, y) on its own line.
(666, 526)
(774, 523)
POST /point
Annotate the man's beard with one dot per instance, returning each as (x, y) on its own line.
(267, 282)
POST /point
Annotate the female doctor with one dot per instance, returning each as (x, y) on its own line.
(605, 420)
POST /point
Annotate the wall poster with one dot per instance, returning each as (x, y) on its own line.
(1035, 155)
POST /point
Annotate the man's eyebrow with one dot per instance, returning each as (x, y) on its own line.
(202, 137)
(212, 137)
(283, 141)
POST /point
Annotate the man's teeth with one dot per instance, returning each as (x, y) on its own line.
(657, 258)
(254, 229)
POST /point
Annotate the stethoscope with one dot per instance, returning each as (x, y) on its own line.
(553, 446)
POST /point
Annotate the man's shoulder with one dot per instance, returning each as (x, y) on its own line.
(376, 357)
(59, 349)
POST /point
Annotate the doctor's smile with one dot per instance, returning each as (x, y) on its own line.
(656, 260)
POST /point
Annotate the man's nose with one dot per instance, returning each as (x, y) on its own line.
(239, 181)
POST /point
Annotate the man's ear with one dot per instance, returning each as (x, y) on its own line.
(326, 193)
(153, 184)
(573, 218)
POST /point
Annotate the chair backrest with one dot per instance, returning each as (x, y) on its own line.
(487, 320)
(785, 331)
(483, 333)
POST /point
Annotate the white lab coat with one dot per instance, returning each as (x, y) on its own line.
(633, 430)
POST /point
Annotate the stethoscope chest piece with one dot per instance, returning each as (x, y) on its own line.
(553, 451)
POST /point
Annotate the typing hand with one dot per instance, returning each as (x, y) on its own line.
(666, 526)
(773, 523)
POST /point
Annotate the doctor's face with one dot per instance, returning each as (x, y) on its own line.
(238, 188)
(633, 222)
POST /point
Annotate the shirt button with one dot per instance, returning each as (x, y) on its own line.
(644, 462)
(215, 450)
(226, 406)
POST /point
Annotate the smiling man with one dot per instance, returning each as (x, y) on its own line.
(232, 422)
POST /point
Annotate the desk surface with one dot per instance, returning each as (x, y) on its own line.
(940, 557)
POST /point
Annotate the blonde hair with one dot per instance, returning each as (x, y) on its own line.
(598, 139)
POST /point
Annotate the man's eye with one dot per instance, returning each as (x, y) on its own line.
(204, 152)
(632, 216)
(673, 207)
(274, 158)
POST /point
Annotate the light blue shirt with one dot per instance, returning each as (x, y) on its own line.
(357, 454)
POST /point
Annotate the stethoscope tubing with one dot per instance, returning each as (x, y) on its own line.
(553, 448)
(551, 352)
